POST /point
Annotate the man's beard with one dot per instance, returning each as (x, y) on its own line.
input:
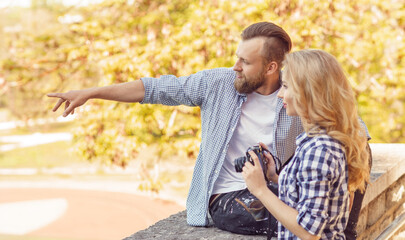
(249, 85)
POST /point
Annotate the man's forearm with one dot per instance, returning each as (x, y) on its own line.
(124, 92)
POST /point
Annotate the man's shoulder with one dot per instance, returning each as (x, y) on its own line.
(221, 70)
(220, 73)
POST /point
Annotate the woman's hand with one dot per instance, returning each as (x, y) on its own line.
(253, 175)
(271, 165)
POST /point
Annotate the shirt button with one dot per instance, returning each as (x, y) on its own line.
(216, 171)
(282, 232)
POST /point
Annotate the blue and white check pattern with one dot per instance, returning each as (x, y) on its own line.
(315, 183)
(213, 91)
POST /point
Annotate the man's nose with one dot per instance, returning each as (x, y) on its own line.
(237, 67)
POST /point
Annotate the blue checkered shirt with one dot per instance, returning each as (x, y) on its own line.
(315, 182)
(213, 91)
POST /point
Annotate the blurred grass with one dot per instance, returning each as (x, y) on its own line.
(42, 128)
(54, 154)
(174, 174)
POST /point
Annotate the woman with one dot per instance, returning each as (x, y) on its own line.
(331, 157)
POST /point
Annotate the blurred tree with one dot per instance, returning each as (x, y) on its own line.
(38, 59)
(119, 41)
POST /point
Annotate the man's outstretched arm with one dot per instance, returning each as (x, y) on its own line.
(125, 92)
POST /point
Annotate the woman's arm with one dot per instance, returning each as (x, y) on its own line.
(285, 214)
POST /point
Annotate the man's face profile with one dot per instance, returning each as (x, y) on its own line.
(249, 66)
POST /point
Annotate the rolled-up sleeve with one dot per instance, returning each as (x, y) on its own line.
(171, 90)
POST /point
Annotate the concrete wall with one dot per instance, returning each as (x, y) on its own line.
(383, 203)
(385, 197)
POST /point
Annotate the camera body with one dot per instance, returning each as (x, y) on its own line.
(259, 151)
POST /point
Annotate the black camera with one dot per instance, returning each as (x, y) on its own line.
(259, 151)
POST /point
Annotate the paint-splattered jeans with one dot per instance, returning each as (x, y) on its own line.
(241, 212)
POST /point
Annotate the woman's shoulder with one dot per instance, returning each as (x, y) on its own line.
(322, 142)
(324, 153)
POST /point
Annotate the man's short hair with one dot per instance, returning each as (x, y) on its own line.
(277, 42)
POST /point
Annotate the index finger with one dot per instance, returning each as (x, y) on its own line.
(255, 158)
(53, 95)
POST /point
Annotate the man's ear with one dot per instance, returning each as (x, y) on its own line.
(272, 67)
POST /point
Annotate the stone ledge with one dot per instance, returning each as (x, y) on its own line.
(388, 168)
(384, 200)
(175, 227)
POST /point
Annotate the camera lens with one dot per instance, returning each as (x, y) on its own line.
(239, 163)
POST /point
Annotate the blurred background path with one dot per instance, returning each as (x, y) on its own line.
(72, 201)
(32, 211)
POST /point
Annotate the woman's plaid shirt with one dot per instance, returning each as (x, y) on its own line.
(315, 183)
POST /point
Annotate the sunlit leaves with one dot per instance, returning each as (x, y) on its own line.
(120, 41)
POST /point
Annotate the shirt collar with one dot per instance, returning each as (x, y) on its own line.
(303, 137)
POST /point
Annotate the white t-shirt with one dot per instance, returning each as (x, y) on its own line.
(255, 125)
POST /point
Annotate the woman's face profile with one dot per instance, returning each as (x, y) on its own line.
(286, 94)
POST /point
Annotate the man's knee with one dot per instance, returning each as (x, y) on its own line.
(239, 213)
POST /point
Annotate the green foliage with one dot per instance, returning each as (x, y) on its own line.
(368, 39)
(120, 41)
(41, 56)
(57, 154)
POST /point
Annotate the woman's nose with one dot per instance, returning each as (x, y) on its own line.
(280, 93)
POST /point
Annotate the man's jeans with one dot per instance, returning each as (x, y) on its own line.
(241, 212)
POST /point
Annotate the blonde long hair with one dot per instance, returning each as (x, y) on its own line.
(324, 99)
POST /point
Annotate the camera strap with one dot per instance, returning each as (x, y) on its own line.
(264, 163)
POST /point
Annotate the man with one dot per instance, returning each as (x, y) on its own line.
(239, 107)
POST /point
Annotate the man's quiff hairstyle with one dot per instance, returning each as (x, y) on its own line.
(277, 42)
